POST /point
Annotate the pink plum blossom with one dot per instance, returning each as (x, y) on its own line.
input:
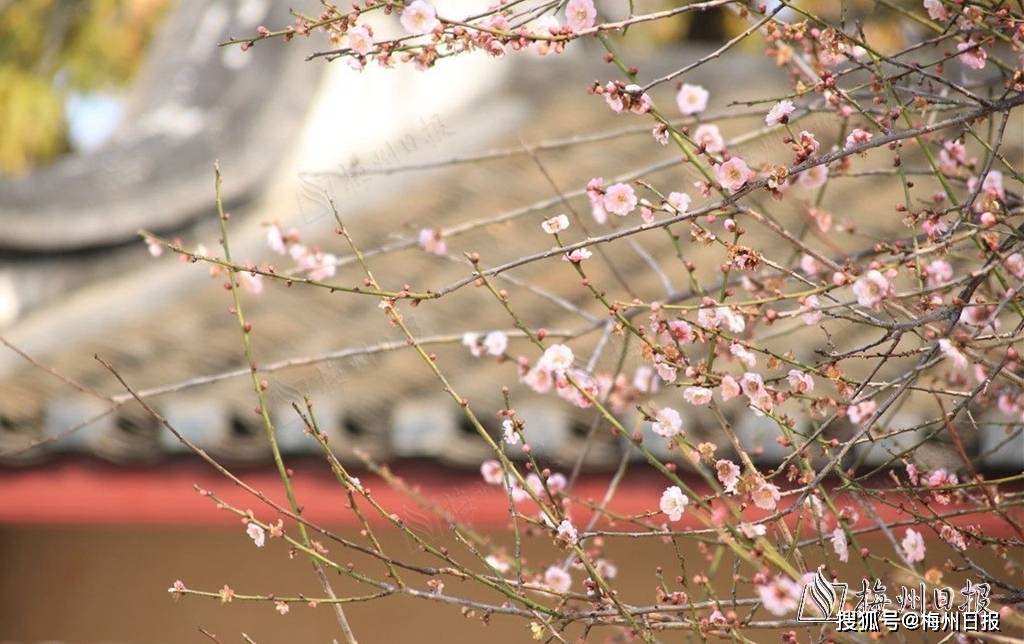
(957, 357)
(432, 241)
(275, 239)
(733, 174)
(780, 112)
(728, 474)
(871, 289)
(800, 382)
(251, 282)
(680, 330)
(256, 533)
(419, 17)
(360, 40)
(862, 411)
(1015, 264)
(709, 136)
(730, 388)
(936, 10)
(938, 272)
(813, 177)
(580, 15)
(857, 137)
(578, 255)
(620, 199)
(811, 310)
(972, 54)
(766, 496)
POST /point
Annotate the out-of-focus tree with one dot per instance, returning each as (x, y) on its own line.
(49, 48)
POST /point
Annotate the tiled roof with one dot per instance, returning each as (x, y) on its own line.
(386, 402)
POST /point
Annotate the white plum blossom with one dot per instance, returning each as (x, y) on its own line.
(712, 317)
(643, 380)
(753, 530)
(496, 343)
(557, 483)
(913, 545)
(557, 579)
(697, 395)
(567, 532)
(472, 342)
(508, 432)
(673, 502)
(679, 201)
(667, 422)
(809, 265)
(780, 596)
(557, 358)
(500, 565)
(742, 354)
(691, 99)
(556, 224)
(840, 545)
(492, 472)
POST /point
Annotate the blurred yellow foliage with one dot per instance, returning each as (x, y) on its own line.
(51, 47)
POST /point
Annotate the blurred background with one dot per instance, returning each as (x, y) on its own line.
(112, 113)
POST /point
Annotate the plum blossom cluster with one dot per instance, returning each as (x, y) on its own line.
(793, 343)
